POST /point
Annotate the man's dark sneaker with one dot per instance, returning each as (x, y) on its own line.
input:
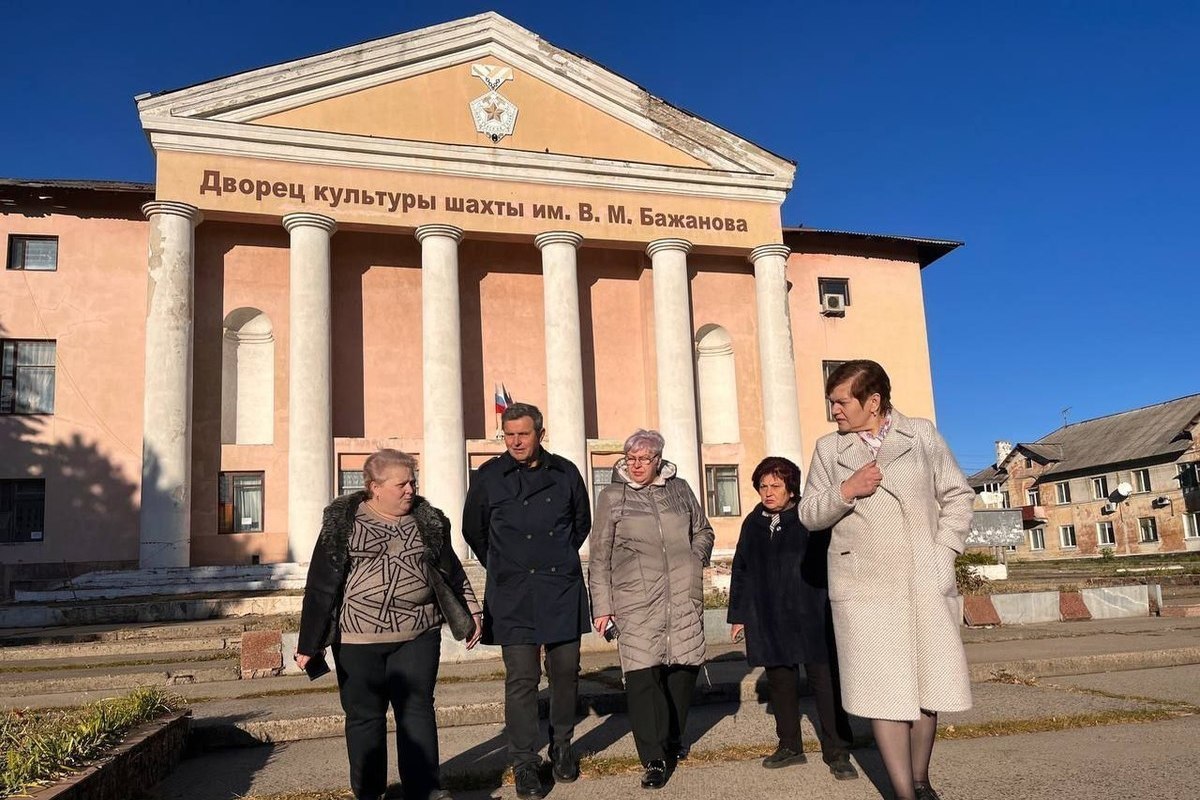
(527, 780)
(655, 776)
(842, 769)
(926, 792)
(784, 756)
(564, 766)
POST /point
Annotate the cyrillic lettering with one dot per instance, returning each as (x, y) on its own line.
(705, 223)
(472, 206)
(320, 192)
(454, 204)
(296, 191)
(368, 198)
(718, 224)
(246, 186)
(408, 201)
(427, 203)
(486, 206)
(660, 220)
(675, 220)
(351, 196)
(585, 212)
(211, 182)
(729, 223)
(741, 226)
(646, 215)
(689, 221)
(515, 211)
(229, 185)
(616, 215)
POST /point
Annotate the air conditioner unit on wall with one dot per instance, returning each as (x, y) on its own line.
(833, 305)
(1108, 508)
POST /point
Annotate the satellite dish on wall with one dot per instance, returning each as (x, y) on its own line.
(1124, 489)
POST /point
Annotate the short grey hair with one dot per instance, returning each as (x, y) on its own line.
(642, 439)
(383, 460)
(520, 410)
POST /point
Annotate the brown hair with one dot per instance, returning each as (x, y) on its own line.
(782, 468)
(866, 378)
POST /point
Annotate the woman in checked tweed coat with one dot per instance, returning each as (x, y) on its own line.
(900, 510)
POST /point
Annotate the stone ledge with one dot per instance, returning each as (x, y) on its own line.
(146, 755)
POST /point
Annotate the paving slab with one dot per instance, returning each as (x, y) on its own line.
(1172, 684)
(479, 751)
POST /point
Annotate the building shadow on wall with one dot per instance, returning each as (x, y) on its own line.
(82, 483)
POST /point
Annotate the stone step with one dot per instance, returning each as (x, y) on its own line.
(1180, 610)
(79, 663)
(161, 649)
(57, 681)
(144, 633)
(148, 610)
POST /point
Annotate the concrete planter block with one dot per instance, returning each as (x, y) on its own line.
(1026, 608)
(993, 572)
(1072, 607)
(1112, 602)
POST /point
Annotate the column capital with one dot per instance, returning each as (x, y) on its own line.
(188, 212)
(663, 245)
(304, 219)
(766, 250)
(558, 237)
(448, 231)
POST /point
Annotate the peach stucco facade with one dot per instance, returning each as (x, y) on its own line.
(638, 190)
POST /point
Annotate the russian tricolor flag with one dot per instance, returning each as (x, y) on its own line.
(503, 398)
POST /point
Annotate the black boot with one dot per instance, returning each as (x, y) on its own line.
(563, 764)
(926, 792)
(529, 785)
(655, 776)
(784, 756)
(842, 769)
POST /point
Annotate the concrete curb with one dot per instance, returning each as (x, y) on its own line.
(219, 733)
(145, 757)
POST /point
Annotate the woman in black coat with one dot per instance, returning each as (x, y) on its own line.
(778, 598)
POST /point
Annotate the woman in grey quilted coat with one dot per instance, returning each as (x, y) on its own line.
(650, 543)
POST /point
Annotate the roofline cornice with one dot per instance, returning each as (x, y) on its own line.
(268, 90)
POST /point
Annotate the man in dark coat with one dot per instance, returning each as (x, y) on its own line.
(526, 516)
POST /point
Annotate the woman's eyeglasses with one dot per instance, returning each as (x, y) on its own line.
(640, 460)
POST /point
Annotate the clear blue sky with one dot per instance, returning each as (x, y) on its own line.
(1059, 140)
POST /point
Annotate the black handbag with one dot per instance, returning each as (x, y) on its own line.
(451, 603)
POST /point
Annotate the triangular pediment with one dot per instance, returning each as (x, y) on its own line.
(460, 84)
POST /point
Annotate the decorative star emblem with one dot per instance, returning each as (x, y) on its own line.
(493, 111)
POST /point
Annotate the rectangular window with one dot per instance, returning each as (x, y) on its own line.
(721, 491)
(1037, 539)
(26, 376)
(1100, 488)
(1141, 480)
(839, 286)
(1033, 497)
(350, 480)
(601, 477)
(1189, 475)
(1028, 462)
(1062, 491)
(22, 510)
(1147, 529)
(1066, 536)
(827, 368)
(1005, 500)
(991, 487)
(34, 253)
(240, 502)
(1191, 525)
(1105, 535)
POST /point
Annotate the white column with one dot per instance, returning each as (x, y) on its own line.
(675, 357)
(776, 356)
(166, 513)
(444, 455)
(310, 404)
(564, 353)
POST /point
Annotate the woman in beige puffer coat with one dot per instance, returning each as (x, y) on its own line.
(650, 542)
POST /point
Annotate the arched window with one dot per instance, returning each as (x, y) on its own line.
(717, 379)
(248, 378)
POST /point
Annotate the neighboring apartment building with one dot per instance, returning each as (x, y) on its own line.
(1129, 482)
(199, 400)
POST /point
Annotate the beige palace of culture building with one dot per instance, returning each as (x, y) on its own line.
(354, 249)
